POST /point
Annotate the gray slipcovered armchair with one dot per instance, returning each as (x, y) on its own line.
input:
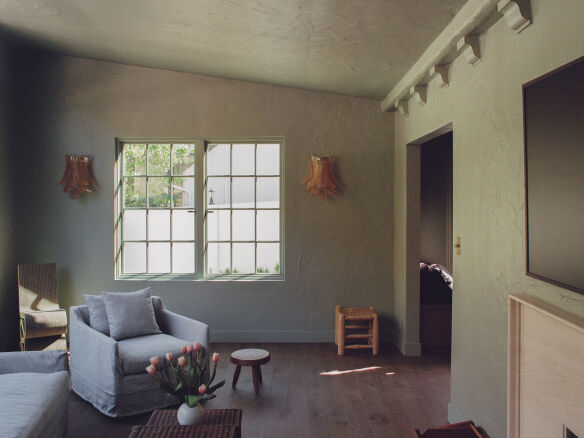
(34, 392)
(111, 375)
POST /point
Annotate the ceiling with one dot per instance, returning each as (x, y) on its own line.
(352, 47)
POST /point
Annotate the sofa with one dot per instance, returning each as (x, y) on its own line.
(111, 375)
(34, 393)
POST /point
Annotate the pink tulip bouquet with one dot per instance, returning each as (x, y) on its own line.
(185, 378)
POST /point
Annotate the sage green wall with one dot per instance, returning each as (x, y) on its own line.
(338, 251)
(484, 104)
(8, 299)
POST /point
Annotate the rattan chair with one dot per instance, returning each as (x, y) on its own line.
(43, 323)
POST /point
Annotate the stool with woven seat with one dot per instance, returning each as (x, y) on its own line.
(354, 324)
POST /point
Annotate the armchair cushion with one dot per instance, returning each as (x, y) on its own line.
(130, 314)
(97, 313)
(34, 404)
(135, 353)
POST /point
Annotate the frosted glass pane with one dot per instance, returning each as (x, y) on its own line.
(183, 225)
(159, 258)
(268, 258)
(159, 225)
(268, 225)
(218, 192)
(243, 159)
(218, 159)
(183, 258)
(268, 160)
(134, 159)
(218, 225)
(135, 192)
(243, 258)
(243, 225)
(159, 192)
(183, 159)
(158, 159)
(268, 195)
(183, 192)
(218, 258)
(135, 225)
(134, 258)
(242, 190)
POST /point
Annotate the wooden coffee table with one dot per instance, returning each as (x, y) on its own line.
(250, 357)
(216, 423)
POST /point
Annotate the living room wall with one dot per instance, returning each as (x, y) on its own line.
(484, 105)
(338, 251)
(8, 301)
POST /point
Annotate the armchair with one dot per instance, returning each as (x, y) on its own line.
(111, 375)
(34, 389)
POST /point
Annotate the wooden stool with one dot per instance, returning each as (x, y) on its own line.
(250, 357)
(356, 318)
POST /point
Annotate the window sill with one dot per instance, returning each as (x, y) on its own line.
(208, 277)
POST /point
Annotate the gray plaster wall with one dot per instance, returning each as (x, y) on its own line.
(484, 105)
(337, 251)
(8, 298)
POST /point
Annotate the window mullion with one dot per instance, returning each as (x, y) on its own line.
(200, 209)
(171, 205)
(147, 212)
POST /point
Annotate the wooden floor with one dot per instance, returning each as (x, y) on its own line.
(309, 391)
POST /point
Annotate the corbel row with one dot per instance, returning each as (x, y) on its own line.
(460, 38)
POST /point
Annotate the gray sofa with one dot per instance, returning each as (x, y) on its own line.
(34, 392)
(111, 375)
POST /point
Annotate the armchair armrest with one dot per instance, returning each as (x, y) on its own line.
(33, 362)
(93, 354)
(187, 329)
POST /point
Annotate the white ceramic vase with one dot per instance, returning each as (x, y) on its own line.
(188, 416)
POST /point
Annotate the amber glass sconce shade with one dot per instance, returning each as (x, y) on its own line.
(320, 180)
(77, 176)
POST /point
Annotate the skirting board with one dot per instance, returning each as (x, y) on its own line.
(411, 349)
(276, 336)
(453, 415)
(272, 336)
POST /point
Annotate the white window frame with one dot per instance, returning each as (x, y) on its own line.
(200, 208)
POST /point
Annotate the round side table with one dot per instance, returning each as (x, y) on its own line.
(250, 357)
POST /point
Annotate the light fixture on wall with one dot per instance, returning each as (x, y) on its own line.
(211, 200)
(77, 176)
(320, 180)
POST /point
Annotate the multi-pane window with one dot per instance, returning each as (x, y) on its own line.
(192, 209)
(243, 208)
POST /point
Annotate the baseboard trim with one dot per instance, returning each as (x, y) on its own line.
(411, 349)
(454, 416)
(312, 336)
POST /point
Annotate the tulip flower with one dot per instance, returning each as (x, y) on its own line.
(155, 361)
(183, 349)
(181, 361)
(197, 346)
(151, 369)
(215, 357)
(169, 357)
(202, 389)
(190, 348)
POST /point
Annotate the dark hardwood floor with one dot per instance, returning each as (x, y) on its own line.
(309, 391)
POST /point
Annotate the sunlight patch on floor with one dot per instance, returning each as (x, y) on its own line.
(338, 373)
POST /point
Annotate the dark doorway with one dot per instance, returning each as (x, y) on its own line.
(436, 244)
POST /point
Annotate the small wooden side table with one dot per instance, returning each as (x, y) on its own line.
(250, 357)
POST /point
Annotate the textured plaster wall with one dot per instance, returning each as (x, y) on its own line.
(484, 103)
(8, 300)
(338, 251)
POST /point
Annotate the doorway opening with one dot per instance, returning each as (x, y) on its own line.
(435, 249)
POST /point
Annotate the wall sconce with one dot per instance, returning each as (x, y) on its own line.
(77, 176)
(320, 180)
